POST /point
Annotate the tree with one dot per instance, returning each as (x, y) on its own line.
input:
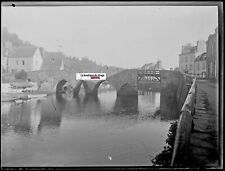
(22, 75)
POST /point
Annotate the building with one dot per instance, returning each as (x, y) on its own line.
(149, 66)
(186, 58)
(3, 63)
(25, 58)
(200, 65)
(6, 51)
(153, 66)
(188, 55)
(53, 61)
(212, 55)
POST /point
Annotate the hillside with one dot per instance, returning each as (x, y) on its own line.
(71, 64)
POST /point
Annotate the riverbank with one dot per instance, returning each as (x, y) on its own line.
(204, 140)
(9, 97)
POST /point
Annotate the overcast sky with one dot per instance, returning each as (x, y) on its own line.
(124, 36)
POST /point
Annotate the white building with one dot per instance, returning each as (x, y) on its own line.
(25, 58)
(188, 55)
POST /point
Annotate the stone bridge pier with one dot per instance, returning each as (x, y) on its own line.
(124, 82)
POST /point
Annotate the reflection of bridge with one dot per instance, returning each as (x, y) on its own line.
(125, 82)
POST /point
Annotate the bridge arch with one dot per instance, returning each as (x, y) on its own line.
(76, 89)
(123, 89)
(60, 86)
(127, 78)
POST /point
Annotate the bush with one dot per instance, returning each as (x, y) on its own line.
(164, 158)
(21, 75)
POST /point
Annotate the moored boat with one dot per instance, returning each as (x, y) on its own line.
(19, 101)
(36, 95)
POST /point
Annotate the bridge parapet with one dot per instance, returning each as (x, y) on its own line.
(150, 72)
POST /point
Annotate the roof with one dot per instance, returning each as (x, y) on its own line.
(52, 60)
(188, 50)
(23, 52)
(201, 57)
(149, 65)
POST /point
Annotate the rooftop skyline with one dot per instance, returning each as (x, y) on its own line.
(123, 36)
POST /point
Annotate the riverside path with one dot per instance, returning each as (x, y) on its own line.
(204, 140)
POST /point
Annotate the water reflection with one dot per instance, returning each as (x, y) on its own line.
(17, 119)
(91, 105)
(51, 112)
(126, 105)
(169, 109)
(94, 127)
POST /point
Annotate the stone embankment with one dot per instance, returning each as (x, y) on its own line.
(197, 139)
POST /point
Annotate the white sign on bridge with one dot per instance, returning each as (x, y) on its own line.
(90, 76)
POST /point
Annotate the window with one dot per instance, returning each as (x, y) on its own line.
(17, 63)
(186, 67)
(22, 62)
(190, 67)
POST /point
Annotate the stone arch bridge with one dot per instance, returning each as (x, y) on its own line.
(125, 82)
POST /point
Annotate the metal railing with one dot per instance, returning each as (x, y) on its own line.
(184, 127)
(146, 72)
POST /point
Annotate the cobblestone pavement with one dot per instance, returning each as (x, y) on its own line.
(204, 142)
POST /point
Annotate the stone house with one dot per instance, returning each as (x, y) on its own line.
(188, 55)
(212, 55)
(200, 65)
(25, 58)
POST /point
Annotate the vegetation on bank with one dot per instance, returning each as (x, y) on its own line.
(21, 75)
(72, 63)
(164, 158)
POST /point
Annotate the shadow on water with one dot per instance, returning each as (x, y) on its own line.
(169, 109)
(126, 105)
(51, 112)
(91, 106)
(22, 124)
(17, 119)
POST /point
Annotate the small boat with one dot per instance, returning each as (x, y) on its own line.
(36, 95)
(19, 101)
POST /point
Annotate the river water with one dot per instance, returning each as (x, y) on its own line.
(66, 131)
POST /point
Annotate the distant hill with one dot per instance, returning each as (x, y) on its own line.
(71, 64)
(86, 65)
(13, 38)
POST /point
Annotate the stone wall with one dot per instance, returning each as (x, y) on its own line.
(175, 85)
(182, 140)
